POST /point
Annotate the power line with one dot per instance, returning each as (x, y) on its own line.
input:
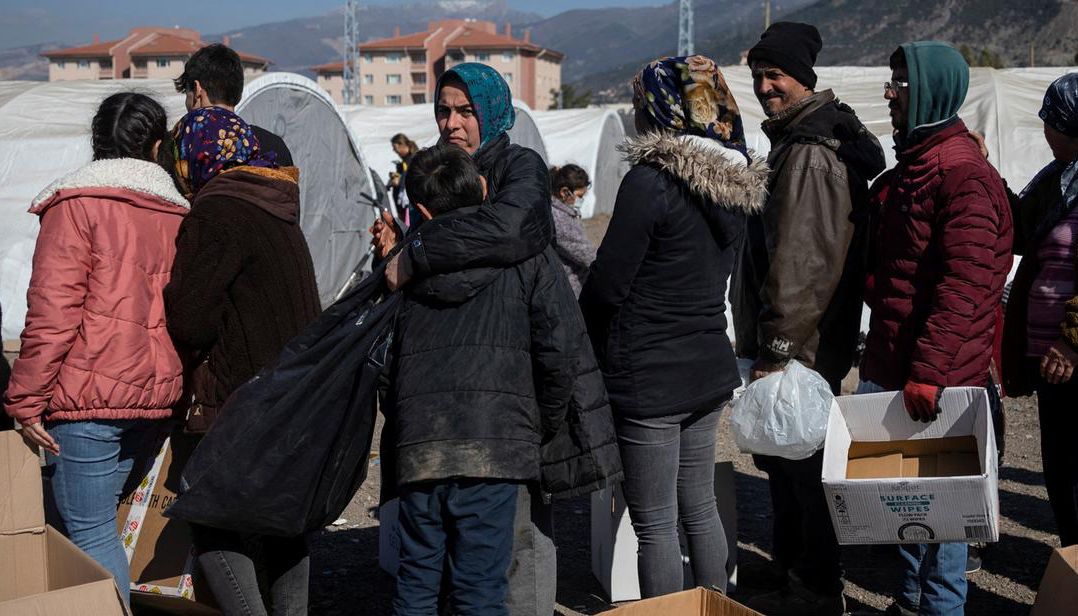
(685, 29)
(351, 53)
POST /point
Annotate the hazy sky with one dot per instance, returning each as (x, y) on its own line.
(27, 22)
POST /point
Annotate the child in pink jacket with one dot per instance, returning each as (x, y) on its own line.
(97, 369)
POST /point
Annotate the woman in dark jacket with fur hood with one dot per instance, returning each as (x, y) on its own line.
(655, 305)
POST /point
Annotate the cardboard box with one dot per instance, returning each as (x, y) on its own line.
(1058, 593)
(41, 572)
(890, 479)
(614, 545)
(160, 549)
(695, 602)
(389, 537)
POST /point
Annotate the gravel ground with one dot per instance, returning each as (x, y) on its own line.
(345, 578)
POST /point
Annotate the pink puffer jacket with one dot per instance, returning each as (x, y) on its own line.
(95, 344)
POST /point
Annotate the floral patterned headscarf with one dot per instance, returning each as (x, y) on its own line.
(687, 94)
(209, 140)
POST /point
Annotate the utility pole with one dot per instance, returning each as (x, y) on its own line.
(767, 14)
(351, 53)
(685, 29)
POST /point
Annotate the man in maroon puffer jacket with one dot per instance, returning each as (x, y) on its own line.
(942, 252)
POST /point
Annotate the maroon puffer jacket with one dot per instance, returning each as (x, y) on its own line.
(942, 254)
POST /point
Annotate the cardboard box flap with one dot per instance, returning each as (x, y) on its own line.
(1058, 592)
(695, 602)
(21, 501)
(882, 417)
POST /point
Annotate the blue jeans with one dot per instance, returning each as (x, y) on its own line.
(85, 482)
(933, 576)
(669, 467)
(465, 528)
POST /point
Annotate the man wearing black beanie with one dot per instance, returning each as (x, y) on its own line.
(797, 291)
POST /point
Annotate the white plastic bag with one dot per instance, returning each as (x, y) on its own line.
(783, 414)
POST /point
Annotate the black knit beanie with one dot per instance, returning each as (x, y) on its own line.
(792, 47)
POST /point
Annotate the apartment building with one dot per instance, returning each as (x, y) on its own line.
(402, 70)
(145, 53)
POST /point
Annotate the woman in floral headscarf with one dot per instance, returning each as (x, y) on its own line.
(655, 305)
(242, 285)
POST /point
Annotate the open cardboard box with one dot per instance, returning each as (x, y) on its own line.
(890, 479)
(163, 572)
(41, 572)
(695, 602)
(1058, 593)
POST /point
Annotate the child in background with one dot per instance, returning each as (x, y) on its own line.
(568, 185)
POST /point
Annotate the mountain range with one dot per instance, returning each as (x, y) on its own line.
(604, 47)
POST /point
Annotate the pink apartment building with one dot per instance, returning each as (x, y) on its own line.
(145, 53)
(402, 70)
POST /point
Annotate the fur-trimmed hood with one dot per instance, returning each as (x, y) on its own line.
(112, 178)
(710, 170)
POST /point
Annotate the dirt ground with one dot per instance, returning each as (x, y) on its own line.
(345, 578)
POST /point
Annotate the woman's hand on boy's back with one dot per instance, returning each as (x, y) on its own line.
(385, 234)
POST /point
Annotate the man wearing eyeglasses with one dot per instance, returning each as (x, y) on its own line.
(941, 254)
(798, 286)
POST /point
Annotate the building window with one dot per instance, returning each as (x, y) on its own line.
(419, 58)
(508, 77)
(393, 58)
(393, 99)
(368, 58)
(419, 99)
(507, 56)
(61, 64)
(456, 56)
(368, 100)
(482, 56)
(393, 79)
(368, 79)
(419, 78)
(84, 64)
(162, 62)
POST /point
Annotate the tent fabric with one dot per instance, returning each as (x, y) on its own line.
(337, 193)
(588, 138)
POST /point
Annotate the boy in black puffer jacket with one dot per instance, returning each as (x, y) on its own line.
(483, 375)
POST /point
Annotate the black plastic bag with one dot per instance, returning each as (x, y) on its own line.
(290, 447)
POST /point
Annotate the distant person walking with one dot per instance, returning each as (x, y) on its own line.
(405, 148)
(97, 370)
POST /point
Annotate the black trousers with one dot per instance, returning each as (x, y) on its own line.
(803, 538)
(1059, 425)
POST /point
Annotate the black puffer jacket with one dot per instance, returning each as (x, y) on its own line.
(655, 297)
(514, 225)
(483, 370)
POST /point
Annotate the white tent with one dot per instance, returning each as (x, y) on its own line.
(588, 138)
(48, 135)
(337, 202)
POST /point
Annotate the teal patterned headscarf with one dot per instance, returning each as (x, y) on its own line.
(490, 97)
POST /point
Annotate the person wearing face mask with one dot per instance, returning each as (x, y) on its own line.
(941, 255)
(568, 185)
(1040, 339)
(797, 290)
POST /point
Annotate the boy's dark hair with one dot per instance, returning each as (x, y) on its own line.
(443, 178)
(126, 125)
(568, 176)
(219, 70)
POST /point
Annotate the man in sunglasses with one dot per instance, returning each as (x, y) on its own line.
(941, 254)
